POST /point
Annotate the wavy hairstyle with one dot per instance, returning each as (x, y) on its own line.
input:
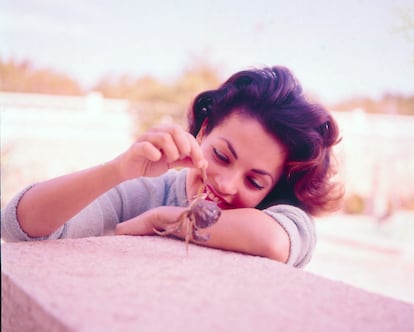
(274, 97)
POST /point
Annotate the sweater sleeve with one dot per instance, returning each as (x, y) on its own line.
(10, 227)
(300, 229)
(94, 220)
(100, 217)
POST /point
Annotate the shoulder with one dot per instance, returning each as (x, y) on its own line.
(301, 230)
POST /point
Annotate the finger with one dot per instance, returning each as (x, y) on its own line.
(164, 142)
(147, 150)
(134, 226)
(186, 162)
(196, 154)
(180, 138)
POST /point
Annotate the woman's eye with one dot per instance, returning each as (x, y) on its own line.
(254, 183)
(221, 156)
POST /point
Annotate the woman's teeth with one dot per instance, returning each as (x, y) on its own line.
(211, 196)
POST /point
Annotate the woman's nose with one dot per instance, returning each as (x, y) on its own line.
(227, 183)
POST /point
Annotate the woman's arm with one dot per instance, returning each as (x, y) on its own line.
(48, 205)
(248, 231)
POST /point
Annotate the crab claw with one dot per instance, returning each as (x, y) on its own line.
(199, 237)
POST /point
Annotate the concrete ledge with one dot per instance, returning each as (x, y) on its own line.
(150, 284)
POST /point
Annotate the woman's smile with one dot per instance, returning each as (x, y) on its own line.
(212, 196)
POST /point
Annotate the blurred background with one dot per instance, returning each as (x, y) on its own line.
(79, 80)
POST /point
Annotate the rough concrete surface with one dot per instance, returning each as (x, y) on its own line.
(149, 284)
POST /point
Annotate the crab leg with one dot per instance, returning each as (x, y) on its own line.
(188, 218)
(204, 184)
(173, 227)
(189, 232)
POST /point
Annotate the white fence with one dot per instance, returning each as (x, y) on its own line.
(44, 136)
(377, 158)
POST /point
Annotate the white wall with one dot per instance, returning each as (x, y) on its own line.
(376, 156)
(44, 136)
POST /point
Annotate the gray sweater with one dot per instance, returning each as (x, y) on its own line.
(134, 197)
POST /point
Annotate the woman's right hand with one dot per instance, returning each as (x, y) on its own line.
(157, 150)
(49, 204)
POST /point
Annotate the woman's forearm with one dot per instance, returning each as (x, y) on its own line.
(49, 204)
(249, 231)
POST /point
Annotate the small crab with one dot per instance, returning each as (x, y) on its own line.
(200, 214)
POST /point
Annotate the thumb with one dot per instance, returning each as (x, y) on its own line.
(188, 162)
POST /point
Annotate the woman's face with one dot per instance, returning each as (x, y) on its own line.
(244, 163)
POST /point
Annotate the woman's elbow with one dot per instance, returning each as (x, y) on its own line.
(278, 247)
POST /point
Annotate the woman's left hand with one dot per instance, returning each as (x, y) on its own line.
(145, 223)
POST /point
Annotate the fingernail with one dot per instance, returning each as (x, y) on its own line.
(202, 164)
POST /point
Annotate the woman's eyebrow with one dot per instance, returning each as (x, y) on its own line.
(231, 148)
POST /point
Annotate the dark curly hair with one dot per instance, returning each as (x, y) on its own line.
(274, 97)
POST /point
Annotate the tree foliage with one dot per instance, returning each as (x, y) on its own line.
(152, 97)
(197, 77)
(24, 77)
(154, 101)
(387, 104)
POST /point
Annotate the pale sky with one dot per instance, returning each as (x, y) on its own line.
(337, 49)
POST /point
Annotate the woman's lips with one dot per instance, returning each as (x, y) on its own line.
(211, 196)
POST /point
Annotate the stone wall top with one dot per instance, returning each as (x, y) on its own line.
(149, 284)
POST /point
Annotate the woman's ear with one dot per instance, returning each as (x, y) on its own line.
(201, 132)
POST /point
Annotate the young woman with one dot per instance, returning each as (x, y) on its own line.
(266, 152)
